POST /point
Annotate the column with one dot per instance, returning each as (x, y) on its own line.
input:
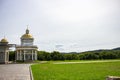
(24, 55)
(35, 55)
(5, 57)
(20, 55)
(8, 55)
(32, 54)
(17, 55)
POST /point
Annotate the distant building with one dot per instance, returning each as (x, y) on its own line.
(4, 51)
(26, 51)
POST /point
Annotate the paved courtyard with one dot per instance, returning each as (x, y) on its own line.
(14, 72)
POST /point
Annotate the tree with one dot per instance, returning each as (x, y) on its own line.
(43, 55)
(55, 55)
(68, 56)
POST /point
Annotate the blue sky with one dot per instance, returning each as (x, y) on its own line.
(62, 25)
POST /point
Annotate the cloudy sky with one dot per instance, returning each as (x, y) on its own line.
(62, 25)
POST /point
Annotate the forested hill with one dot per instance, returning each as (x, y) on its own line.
(100, 50)
(116, 48)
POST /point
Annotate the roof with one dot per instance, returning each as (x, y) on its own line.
(4, 40)
(27, 35)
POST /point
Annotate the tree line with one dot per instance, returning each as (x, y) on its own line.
(89, 55)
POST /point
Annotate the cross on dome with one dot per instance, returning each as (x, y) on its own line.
(27, 34)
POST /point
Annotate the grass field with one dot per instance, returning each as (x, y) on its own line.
(76, 71)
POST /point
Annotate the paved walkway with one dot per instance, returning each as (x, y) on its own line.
(14, 72)
(99, 61)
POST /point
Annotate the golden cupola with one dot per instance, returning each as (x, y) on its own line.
(4, 40)
(27, 35)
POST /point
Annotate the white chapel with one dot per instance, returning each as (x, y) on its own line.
(27, 51)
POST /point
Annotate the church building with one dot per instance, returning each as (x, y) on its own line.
(27, 51)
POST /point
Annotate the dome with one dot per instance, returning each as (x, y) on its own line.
(4, 40)
(27, 36)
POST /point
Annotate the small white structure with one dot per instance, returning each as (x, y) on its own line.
(26, 51)
(4, 51)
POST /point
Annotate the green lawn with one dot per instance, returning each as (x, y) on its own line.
(76, 71)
